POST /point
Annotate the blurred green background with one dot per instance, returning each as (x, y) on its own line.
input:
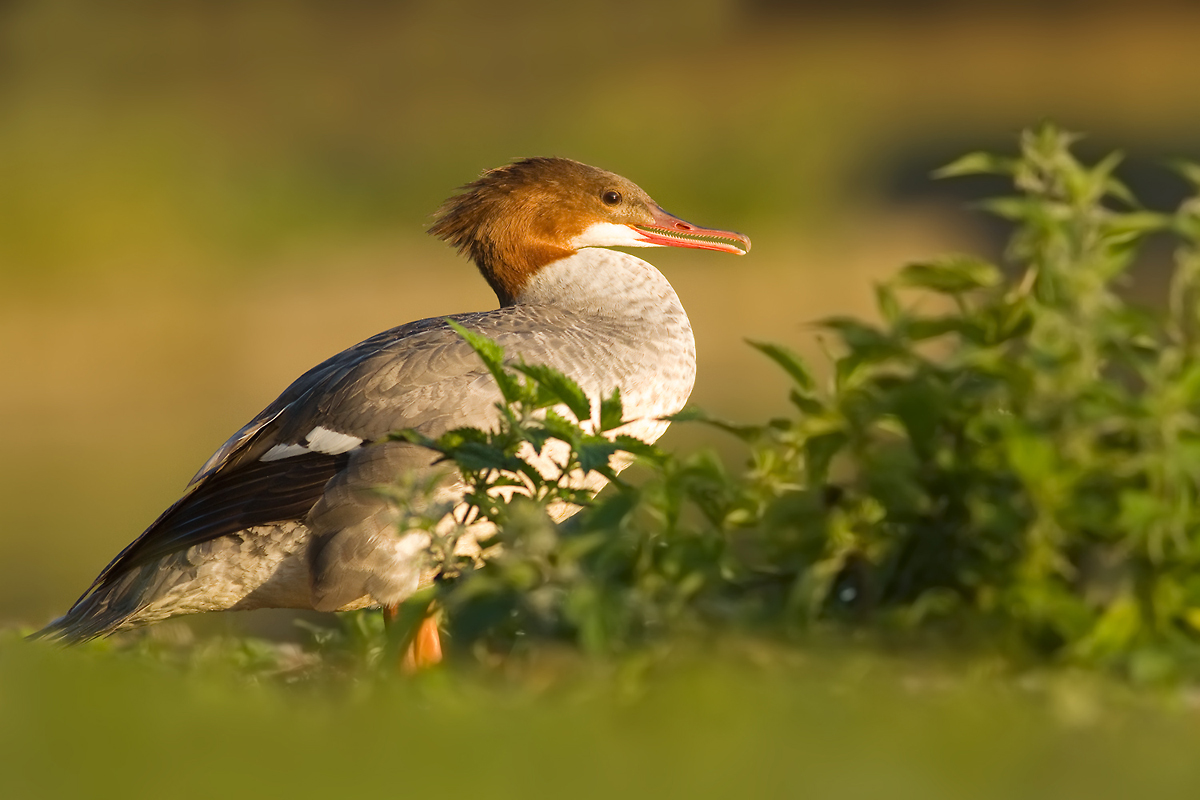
(201, 199)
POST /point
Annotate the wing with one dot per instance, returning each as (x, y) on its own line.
(276, 467)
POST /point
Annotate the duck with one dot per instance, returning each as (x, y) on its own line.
(287, 513)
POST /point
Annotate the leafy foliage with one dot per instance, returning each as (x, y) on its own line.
(1010, 455)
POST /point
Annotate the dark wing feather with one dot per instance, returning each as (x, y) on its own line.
(229, 501)
(257, 494)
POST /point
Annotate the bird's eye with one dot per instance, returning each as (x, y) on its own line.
(611, 198)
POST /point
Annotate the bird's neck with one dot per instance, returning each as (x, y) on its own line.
(603, 283)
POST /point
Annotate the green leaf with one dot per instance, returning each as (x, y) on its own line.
(1115, 630)
(1004, 321)
(806, 404)
(492, 356)
(561, 388)
(1033, 458)
(480, 456)
(920, 330)
(977, 164)
(951, 274)
(612, 412)
(789, 360)
(819, 452)
(1015, 209)
(413, 436)
(594, 454)
(1188, 170)
(1140, 510)
(888, 304)
(1139, 223)
(689, 414)
(920, 407)
(1097, 182)
(859, 335)
(634, 445)
(562, 428)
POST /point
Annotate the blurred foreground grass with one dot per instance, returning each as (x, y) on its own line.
(723, 720)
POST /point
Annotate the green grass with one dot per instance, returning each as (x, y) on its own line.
(736, 719)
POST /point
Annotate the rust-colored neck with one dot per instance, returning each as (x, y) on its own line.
(515, 220)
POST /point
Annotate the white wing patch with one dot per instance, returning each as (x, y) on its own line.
(282, 451)
(330, 442)
(320, 440)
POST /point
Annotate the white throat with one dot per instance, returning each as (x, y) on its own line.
(639, 336)
(604, 282)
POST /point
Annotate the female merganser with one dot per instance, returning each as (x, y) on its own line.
(286, 513)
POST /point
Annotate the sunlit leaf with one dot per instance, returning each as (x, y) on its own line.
(952, 274)
(492, 356)
(612, 411)
(977, 164)
(562, 389)
(791, 363)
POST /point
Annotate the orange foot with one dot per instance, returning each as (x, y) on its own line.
(425, 649)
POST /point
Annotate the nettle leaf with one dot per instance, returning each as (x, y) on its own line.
(1005, 321)
(977, 164)
(1140, 510)
(819, 452)
(492, 355)
(612, 412)
(414, 437)
(1115, 630)
(925, 328)
(921, 408)
(792, 364)
(1137, 224)
(1188, 170)
(1089, 186)
(561, 428)
(805, 403)
(631, 444)
(951, 274)
(1187, 454)
(457, 437)
(1114, 187)
(740, 430)
(859, 335)
(888, 304)
(479, 456)
(594, 454)
(537, 436)
(1033, 457)
(1014, 209)
(561, 389)
(689, 414)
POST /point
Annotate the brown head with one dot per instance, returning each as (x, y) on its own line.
(514, 220)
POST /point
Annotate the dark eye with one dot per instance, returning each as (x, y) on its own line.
(611, 198)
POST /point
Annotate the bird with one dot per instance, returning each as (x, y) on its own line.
(287, 513)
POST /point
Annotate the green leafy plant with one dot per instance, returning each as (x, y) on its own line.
(1023, 458)
(1009, 456)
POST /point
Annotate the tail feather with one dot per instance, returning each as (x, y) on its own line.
(264, 567)
(118, 603)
